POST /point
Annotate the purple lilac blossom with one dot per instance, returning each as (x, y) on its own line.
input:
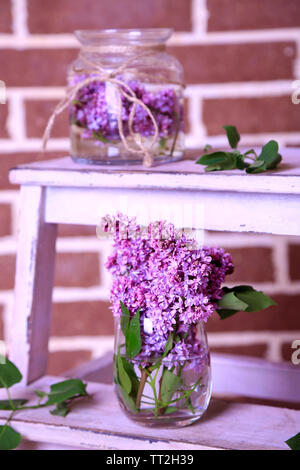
(172, 282)
(92, 110)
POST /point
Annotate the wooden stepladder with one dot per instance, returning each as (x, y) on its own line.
(60, 191)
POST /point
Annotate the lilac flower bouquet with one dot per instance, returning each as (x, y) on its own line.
(95, 129)
(164, 289)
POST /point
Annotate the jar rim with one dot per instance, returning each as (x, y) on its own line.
(123, 36)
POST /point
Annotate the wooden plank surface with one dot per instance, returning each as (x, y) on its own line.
(185, 175)
(98, 423)
(31, 320)
(211, 210)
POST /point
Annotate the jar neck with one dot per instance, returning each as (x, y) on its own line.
(122, 49)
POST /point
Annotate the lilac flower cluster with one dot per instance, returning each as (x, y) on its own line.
(95, 111)
(174, 284)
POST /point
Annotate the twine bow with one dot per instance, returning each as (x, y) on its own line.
(100, 74)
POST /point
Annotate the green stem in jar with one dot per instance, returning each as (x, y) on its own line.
(144, 375)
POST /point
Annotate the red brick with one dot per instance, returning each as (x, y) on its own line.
(252, 264)
(11, 160)
(3, 120)
(37, 116)
(77, 270)
(1, 323)
(5, 220)
(251, 115)
(294, 262)
(70, 230)
(61, 361)
(236, 62)
(284, 316)
(36, 67)
(207, 63)
(92, 318)
(5, 16)
(227, 15)
(88, 14)
(256, 350)
(7, 272)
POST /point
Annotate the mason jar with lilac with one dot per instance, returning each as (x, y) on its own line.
(127, 98)
(164, 289)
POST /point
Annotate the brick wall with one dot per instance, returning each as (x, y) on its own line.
(240, 58)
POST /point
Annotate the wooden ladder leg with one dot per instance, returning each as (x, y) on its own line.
(30, 323)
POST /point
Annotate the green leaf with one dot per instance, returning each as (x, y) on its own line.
(61, 409)
(169, 344)
(9, 438)
(162, 142)
(275, 162)
(133, 336)
(128, 400)
(213, 158)
(294, 442)
(132, 375)
(269, 152)
(232, 161)
(252, 299)
(76, 103)
(255, 299)
(240, 163)
(65, 390)
(223, 313)
(125, 317)
(169, 384)
(268, 159)
(231, 302)
(256, 164)
(6, 404)
(232, 136)
(124, 379)
(99, 136)
(9, 373)
(207, 147)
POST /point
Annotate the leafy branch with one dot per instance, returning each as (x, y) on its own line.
(242, 299)
(268, 159)
(61, 394)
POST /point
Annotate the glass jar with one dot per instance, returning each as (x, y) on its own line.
(126, 101)
(166, 390)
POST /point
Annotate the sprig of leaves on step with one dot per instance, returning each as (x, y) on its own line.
(268, 159)
(242, 298)
(61, 394)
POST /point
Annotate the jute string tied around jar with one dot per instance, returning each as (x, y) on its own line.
(100, 74)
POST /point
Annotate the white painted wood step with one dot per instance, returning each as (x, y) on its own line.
(184, 175)
(98, 423)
